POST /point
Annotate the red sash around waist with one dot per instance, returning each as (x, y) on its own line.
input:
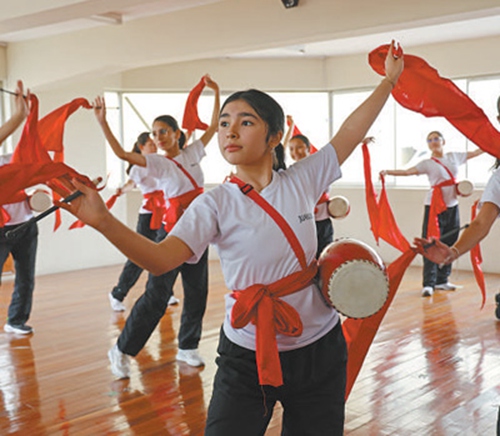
(177, 206)
(261, 304)
(155, 203)
(438, 204)
(180, 203)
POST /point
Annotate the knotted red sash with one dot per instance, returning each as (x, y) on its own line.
(261, 304)
(155, 203)
(177, 205)
(438, 204)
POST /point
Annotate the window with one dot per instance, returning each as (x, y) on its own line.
(400, 134)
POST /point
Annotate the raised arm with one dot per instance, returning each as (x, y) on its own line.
(100, 114)
(408, 172)
(157, 258)
(471, 154)
(214, 123)
(22, 109)
(355, 127)
(289, 131)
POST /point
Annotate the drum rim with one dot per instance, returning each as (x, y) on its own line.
(347, 264)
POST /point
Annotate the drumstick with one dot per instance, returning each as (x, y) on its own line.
(12, 233)
(451, 232)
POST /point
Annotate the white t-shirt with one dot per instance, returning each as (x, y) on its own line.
(491, 192)
(145, 182)
(437, 174)
(253, 249)
(19, 212)
(171, 179)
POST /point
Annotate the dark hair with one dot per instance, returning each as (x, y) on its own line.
(141, 140)
(172, 122)
(279, 158)
(304, 139)
(271, 113)
(266, 107)
(435, 132)
(496, 164)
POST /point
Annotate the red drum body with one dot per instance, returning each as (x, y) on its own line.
(353, 278)
(465, 188)
(40, 200)
(339, 207)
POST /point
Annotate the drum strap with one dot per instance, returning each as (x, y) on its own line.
(177, 205)
(155, 203)
(261, 304)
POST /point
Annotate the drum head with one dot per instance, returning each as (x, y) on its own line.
(358, 288)
(465, 188)
(40, 201)
(338, 207)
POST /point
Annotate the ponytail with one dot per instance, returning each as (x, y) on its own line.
(279, 157)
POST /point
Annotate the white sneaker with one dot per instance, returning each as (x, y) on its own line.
(120, 365)
(446, 286)
(116, 305)
(19, 329)
(191, 357)
(173, 301)
(427, 291)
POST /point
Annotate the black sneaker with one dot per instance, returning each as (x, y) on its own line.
(19, 329)
(497, 310)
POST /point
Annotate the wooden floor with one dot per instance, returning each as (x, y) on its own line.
(434, 368)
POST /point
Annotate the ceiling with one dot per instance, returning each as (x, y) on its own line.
(25, 20)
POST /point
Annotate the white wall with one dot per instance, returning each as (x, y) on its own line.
(83, 248)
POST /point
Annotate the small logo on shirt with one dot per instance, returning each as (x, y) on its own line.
(305, 217)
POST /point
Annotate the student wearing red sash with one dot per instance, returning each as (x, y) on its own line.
(279, 340)
(24, 245)
(299, 147)
(441, 214)
(151, 211)
(478, 229)
(180, 177)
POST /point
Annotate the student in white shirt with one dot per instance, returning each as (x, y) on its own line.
(439, 168)
(270, 275)
(180, 177)
(23, 246)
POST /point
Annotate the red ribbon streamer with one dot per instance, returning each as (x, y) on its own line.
(191, 121)
(420, 88)
(359, 333)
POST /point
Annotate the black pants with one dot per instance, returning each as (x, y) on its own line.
(312, 395)
(23, 248)
(151, 306)
(131, 272)
(324, 234)
(448, 220)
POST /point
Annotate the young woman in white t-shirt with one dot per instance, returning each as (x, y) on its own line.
(179, 176)
(270, 275)
(478, 229)
(439, 168)
(138, 177)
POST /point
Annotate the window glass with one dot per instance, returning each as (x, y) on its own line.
(400, 134)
